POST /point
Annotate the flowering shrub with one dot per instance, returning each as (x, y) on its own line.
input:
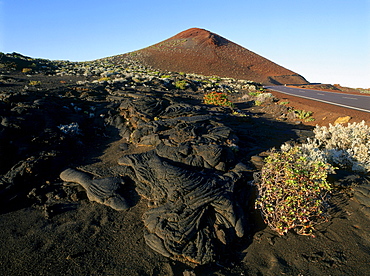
(292, 191)
(217, 98)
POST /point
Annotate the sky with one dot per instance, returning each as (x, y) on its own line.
(326, 41)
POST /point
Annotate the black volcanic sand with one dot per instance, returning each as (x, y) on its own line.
(49, 227)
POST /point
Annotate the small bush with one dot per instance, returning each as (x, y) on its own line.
(292, 191)
(217, 98)
(216, 79)
(182, 84)
(347, 147)
(34, 83)
(26, 70)
(303, 115)
(264, 97)
(103, 79)
(254, 94)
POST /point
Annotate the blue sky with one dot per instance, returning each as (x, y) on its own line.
(326, 41)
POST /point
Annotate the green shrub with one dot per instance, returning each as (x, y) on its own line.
(292, 191)
(216, 79)
(182, 84)
(103, 79)
(302, 114)
(34, 83)
(26, 70)
(254, 94)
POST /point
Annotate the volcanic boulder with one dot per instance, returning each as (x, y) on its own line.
(187, 171)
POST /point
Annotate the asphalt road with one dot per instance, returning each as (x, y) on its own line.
(358, 102)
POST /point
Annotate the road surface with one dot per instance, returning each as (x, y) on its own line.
(358, 102)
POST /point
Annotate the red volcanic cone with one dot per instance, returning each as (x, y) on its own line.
(202, 52)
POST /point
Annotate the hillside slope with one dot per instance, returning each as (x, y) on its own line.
(203, 52)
